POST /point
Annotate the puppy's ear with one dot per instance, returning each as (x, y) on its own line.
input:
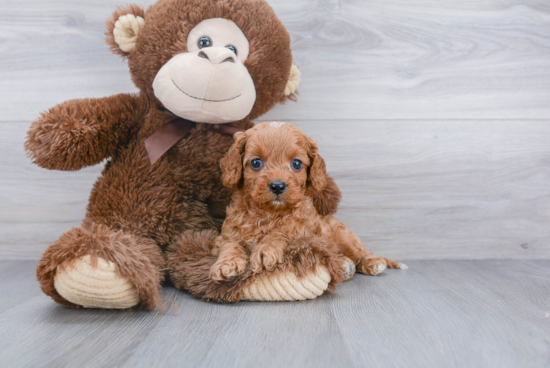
(317, 175)
(232, 163)
(326, 201)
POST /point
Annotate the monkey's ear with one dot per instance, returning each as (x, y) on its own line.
(293, 81)
(232, 163)
(123, 28)
(317, 176)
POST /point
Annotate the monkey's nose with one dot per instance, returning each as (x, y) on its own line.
(203, 55)
(217, 55)
(277, 187)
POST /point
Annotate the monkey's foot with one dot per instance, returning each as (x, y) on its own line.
(95, 286)
(287, 286)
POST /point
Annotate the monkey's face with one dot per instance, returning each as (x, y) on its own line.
(209, 83)
(208, 61)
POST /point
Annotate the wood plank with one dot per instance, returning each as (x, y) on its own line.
(448, 314)
(421, 317)
(412, 189)
(377, 59)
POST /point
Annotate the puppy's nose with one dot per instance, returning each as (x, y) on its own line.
(277, 187)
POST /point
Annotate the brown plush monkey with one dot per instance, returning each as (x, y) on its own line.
(197, 64)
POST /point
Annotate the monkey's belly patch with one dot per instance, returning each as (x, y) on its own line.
(95, 287)
(287, 287)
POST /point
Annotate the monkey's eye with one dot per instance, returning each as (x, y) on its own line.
(232, 48)
(297, 164)
(204, 41)
(256, 164)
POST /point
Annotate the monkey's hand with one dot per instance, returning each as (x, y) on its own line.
(80, 133)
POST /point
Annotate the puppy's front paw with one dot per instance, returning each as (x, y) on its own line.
(224, 270)
(372, 266)
(267, 256)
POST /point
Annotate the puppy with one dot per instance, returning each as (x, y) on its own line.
(275, 171)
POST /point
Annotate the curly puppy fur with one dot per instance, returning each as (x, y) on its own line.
(137, 210)
(263, 219)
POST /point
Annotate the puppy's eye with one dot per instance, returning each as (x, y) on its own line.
(204, 41)
(256, 164)
(232, 48)
(297, 164)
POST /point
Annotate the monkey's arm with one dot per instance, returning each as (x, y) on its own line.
(326, 202)
(80, 133)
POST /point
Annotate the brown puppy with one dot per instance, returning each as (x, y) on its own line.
(275, 171)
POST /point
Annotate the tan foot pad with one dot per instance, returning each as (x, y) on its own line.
(287, 287)
(95, 287)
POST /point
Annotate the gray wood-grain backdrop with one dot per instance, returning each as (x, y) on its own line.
(433, 116)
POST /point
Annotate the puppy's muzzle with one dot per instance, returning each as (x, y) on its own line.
(277, 187)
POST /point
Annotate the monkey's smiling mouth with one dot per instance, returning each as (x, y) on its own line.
(203, 99)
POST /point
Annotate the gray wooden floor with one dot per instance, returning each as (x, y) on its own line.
(436, 314)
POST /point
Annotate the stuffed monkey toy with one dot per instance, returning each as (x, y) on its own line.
(204, 69)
